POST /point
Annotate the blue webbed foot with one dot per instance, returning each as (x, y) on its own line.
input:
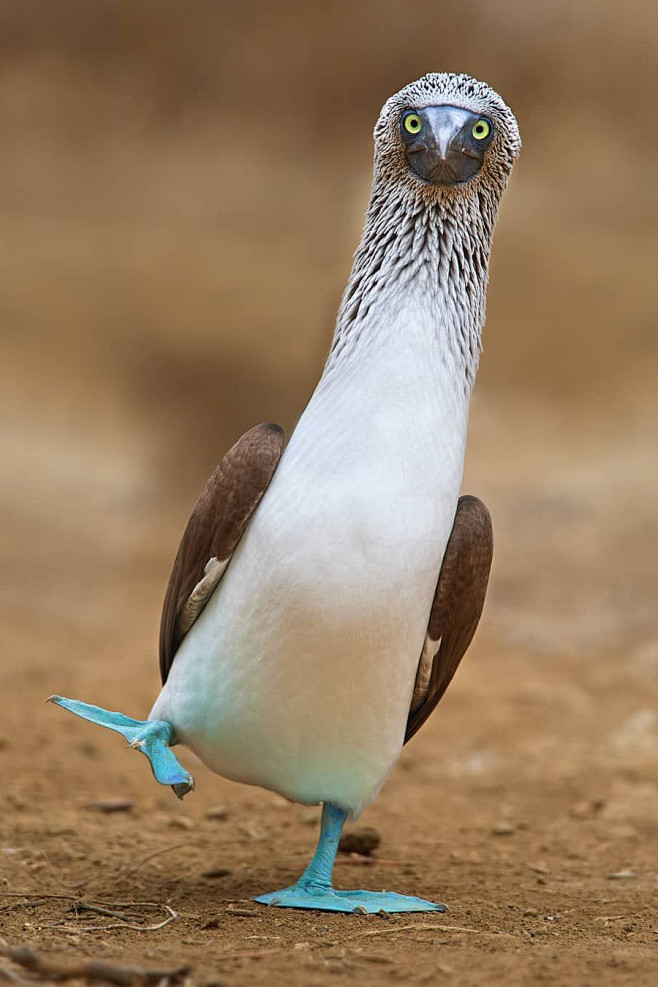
(356, 902)
(314, 889)
(151, 737)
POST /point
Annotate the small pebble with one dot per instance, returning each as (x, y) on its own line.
(621, 875)
(218, 812)
(214, 872)
(503, 829)
(16, 800)
(362, 841)
(112, 805)
(89, 749)
(181, 822)
(251, 830)
(587, 808)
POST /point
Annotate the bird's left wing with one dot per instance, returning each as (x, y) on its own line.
(458, 603)
(218, 521)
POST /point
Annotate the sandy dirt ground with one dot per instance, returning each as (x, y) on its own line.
(179, 199)
(528, 804)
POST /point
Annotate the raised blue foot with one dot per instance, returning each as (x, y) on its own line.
(151, 737)
(314, 890)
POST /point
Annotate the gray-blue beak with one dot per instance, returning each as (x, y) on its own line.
(445, 145)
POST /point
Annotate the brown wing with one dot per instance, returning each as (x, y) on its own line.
(458, 603)
(217, 523)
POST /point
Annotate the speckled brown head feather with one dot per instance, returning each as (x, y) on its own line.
(217, 523)
(457, 606)
(417, 231)
(391, 167)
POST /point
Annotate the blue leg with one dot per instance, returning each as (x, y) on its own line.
(151, 737)
(314, 890)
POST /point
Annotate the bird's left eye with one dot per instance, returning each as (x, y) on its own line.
(481, 129)
(412, 124)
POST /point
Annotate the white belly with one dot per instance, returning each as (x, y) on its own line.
(299, 673)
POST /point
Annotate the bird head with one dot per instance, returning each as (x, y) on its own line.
(444, 136)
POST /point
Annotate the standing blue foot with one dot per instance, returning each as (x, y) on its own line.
(151, 737)
(314, 890)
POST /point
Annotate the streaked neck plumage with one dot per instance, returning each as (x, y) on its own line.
(411, 247)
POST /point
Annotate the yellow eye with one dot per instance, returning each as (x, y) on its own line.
(412, 124)
(481, 129)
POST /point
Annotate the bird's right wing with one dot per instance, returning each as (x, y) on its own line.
(457, 606)
(218, 521)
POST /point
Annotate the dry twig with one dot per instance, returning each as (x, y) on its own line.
(250, 954)
(23, 904)
(128, 869)
(10, 977)
(435, 928)
(131, 868)
(90, 970)
(172, 915)
(87, 906)
(36, 894)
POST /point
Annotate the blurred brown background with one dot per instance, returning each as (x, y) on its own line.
(181, 189)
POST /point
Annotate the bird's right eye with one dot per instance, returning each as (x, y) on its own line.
(412, 123)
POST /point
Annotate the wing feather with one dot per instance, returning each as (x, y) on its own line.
(457, 606)
(215, 527)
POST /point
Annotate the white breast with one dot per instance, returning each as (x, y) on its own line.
(298, 675)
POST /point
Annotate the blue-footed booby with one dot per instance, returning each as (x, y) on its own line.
(324, 593)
